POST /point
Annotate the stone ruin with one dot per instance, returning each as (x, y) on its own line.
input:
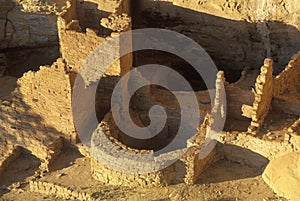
(37, 116)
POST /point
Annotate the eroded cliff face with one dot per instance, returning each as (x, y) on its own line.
(29, 23)
(236, 33)
(28, 31)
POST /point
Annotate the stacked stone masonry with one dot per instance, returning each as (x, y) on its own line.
(263, 94)
(78, 41)
(38, 114)
(186, 169)
(57, 190)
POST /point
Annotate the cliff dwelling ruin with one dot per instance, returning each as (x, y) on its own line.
(255, 46)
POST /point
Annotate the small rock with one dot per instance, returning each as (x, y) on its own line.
(61, 175)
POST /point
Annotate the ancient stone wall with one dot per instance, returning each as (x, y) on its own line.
(90, 12)
(77, 41)
(287, 82)
(263, 96)
(185, 170)
(236, 98)
(286, 88)
(39, 113)
(21, 127)
(81, 32)
(57, 190)
(48, 94)
(76, 46)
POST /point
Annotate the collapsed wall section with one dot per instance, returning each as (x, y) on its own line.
(39, 113)
(22, 127)
(77, 41)
(84, 26)
(48, 94)
(287, 88)
(263, 94)
(287, 82)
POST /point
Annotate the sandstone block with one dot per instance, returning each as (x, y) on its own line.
(283, 175)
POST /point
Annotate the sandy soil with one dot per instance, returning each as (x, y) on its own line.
(224, 180)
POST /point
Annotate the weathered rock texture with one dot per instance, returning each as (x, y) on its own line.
(57, 190)
(294, 132)
(263, 96)
(33, 119)
(283, 175)
(78, 37)
(286, 88)
(247, 31)
(7, 155)
(28, 23)
(38, 115)
(51, 97)
(186, 169)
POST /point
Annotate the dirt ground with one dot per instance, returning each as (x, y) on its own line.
(224, 180)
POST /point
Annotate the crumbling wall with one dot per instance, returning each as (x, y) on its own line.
(76, 46)
(286, 88)
(287, 82)
(21, 127)
(39, 113)
(57, 190)
(80, 33)
(90, 12)
(48, 94)
(77, 42)
(263, 96)
(194, 164)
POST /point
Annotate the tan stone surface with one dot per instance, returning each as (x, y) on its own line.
(283, 175)
(263, 95)
(29, 23)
